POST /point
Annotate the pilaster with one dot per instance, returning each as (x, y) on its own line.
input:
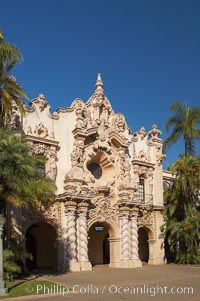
(135, 261)
(70, 213)
(84, 263)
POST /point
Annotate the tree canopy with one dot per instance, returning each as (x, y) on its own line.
(183, 123)
(21, 182)
(10, 90)
(181, 210)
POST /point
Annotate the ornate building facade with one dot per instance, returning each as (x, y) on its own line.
(109, 197)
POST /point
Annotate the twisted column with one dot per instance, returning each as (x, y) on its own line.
(134, 234)
(83, 232)
(71, 231)
(124, 233)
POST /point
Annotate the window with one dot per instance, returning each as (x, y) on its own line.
(141, 190)
(41, 169)
(166, 185)
(95, 169)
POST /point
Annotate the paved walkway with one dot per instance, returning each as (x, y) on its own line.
(164, 282)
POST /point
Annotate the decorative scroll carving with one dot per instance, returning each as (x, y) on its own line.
(41, 131)
(52, 164)
(145, 217)
(79, 110)
(49, 151)
(41, 102)
(140, 134)
(103, 210)
(142, 156)
(155, 132)
(77, 154)
(118, 123)
(15, 119)
(150, 175)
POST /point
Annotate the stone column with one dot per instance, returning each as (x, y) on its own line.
(151, 251)
(135, 261)
(114, 252)
(70, 213)
(124, 213)
(85, 265)
(59, 256)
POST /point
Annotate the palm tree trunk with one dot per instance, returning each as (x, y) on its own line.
(186, 145)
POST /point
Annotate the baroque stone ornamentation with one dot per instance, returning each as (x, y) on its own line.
(103, 210)
(41, 102)
(77, 154)
(83, 232)
(145, 217)
(155, 132)
(118, 123)
(108, 184)
(41, 131)
(134, 236)
(71, 231)
(124, 236)
(140, 134)
(14, 122)
(50, 152)
(142, 156)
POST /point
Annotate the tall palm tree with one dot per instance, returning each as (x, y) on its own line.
(21, 182)
(10, 90)
(184, 123)
(181, 211)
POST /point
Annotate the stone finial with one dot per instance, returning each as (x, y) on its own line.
(155, 132)
(99, 84)
(40, 102)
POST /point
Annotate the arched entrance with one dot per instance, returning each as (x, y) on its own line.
(143, 245)
(99, 246)
(40, 242)
(144, 237)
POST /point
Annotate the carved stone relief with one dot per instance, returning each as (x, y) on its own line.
(103, 210)
(15, 119)
(50, 153)
(41, 102)
(145, 217)
(41, 131)
(142, 156)
(118, 123)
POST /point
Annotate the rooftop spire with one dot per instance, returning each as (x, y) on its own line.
(99, 84)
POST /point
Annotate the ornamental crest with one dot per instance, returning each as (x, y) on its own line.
(103, 210)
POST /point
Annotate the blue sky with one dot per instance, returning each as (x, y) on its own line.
(148, 53)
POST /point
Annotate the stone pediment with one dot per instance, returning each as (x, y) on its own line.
(118, 140)
(41, 140)
(143, 163)
(40, 102)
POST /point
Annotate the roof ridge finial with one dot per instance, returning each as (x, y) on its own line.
(99, 84)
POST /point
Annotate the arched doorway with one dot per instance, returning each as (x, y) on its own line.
(40, 242)
(143, 238)
(99, 246)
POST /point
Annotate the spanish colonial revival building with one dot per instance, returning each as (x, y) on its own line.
(109, 197)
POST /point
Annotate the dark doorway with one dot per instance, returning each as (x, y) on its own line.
(143, 244)
(40, 243)
(99, 246)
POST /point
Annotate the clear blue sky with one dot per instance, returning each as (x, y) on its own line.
(148, 52)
